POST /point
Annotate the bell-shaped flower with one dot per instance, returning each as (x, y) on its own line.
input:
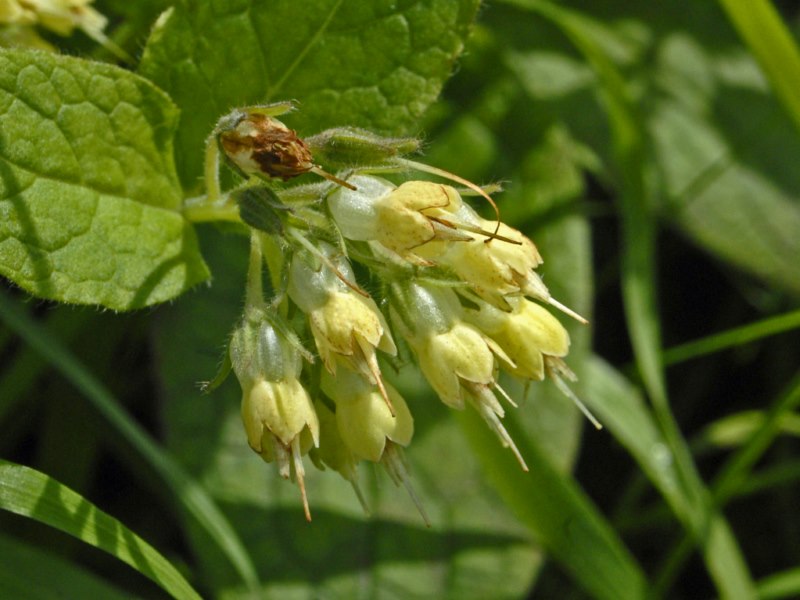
(400, 219)
(369, 429)
(345, 322)
(364, 421)
(528, 333)
(495, 268)
(456, 358)
(278, 416)
(450, 351)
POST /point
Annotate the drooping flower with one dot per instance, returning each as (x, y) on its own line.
(456, 358)
(277, 412)
(400, 219)
(527, 334)
(495, 268)
(369, 429)
(346, 323)
(363, 419)
(457, 287)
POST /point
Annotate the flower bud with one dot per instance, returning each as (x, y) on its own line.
(258, 208)
(277, 413)
(364, 420)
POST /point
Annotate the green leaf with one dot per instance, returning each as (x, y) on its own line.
(690, 500)
(28, 573)
(32, 494)
(88, 193)
(370, 64)
(721, 173)
(730, 185)
(548, 502)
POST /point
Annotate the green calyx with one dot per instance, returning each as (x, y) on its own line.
(259, 207)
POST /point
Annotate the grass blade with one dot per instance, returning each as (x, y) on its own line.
(191, 496)
(780, 585)
(733, 337)
(762, 29)
(32, 494)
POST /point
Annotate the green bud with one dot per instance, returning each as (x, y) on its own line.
(344, 147)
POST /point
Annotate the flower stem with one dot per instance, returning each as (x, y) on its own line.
(254, 295)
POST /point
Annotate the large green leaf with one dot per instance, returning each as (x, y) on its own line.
(88, 193)
(27, 492)
(374, 64)
(724, 174)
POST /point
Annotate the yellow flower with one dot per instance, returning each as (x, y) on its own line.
(455, 357)
(277, 412)
(495, 268)
(345, 323)
(527, 334)
(370, 430)
(351, 326)
(452, 357)
(450, 351)
(363, 418)
(60, 16)
(399, 219)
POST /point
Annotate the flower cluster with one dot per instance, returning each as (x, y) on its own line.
(458, 292)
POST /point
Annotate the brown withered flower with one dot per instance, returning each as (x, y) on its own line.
(262, 145)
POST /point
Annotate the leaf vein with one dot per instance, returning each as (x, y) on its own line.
(302, 54)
